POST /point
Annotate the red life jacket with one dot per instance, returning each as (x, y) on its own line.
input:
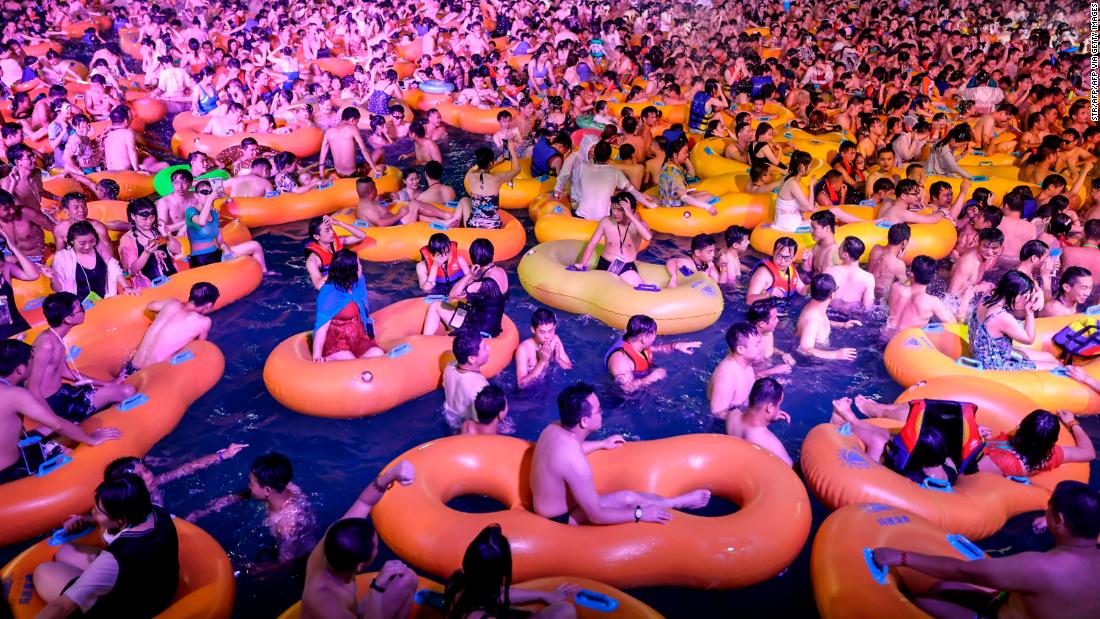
(313, 247)
(641, 360)
(787, 283)
(451, 271)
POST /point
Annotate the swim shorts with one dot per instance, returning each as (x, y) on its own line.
(73, 402)
(202, 260)
(604, 265)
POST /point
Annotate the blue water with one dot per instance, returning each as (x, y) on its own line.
(335, 459)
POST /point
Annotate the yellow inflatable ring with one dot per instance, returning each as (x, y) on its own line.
(554, 221)
(734, 208)
(523, 189)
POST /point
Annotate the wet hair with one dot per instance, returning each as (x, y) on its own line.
(1079, 507)
(639, 325)
(466, 344)
(938, 188)
(930, 451)
(799, 159)
(438, 243)
(350, 113)
(120, 114)
(1060, 224)
(601, 152)
(273, 470)
(74, 196)
(1034, 249)
(13, 354)
(784, 242)
(822, 287)
(484, 158)
(284, 160)
(825, 219)
(364, 185)
(702, 241)
(203, 293)
(489, 403)
(434, 170)
(573, 404)
(765, 391)
(482, 252)
(905, 186)
(124, 498)
(1012, 285)
(126, 465)
(735, 234)
(543, 316)
(485, 579)
(343, 272)
(1069, 278)
(991, 235)
(58, 306)
(1034, 439)
(882, 184)
(758, 312)
(349, 543)
(923, 269)
(739, 333)
(853, 247)
(1052, 181)
(992, 215)
(249, 142)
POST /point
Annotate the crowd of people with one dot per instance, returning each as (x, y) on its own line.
(913, 89)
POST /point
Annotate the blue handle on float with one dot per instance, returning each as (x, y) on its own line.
(647, 288)
(659, 103)
(1060, 371)
(936, 327)
(965, 547)
(937, 484)
(435, 225)
(400, 351)
(325, 185)
(557, 209)
(34, 304)
(451, 203)
(764, 118)
(227, 256)
(1057, 251)
(878, 572)
(430, 599)
(182, 356)
(845, 430)
(714, 200)
(1020, 479)
(885, 223)
(969, 362)
(691, 180)
(980, 179)
(432, 298)
(978, 153)
(1092, 310)
(788, 135)
(53, 464)
(866, 202)
(708, 150)
(272, 194)
(543, 178)
(159, 281)
(803, 230)
(359, 223)
(596, 601)
(574, 269)
(133, 402)
(61, 536)
(985, 163)
(384, 202)
(74, 351)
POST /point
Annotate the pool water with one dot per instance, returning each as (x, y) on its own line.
(335, 459)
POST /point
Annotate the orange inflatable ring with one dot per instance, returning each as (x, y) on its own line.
(102, 24)
(33, 505)
(627, 607)
(734, 208)
(478, 120)
(838, 472)
(283, 208)
(130, 184)
(40, 49)
(670, 112)
(412, 367)
(523, 189)
(554, 221)
(403, 241)
(723, 552)
(937, 351)
(848, 584)
(206, 589)
(302, 142)
(148, 109)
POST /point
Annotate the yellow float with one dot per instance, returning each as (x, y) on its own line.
(523, 189)
(735, 207)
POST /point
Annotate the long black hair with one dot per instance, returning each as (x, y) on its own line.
(485, 578)
(1034, 439)
(344, 270)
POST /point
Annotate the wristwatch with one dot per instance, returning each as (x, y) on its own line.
(374, 585)
(637, 513)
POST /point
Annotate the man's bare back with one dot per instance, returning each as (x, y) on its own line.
(175, 327)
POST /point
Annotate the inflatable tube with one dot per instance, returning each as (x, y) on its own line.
(206, 588)
(478, 120)
(670, 112)
(302, 142)
(695, 304)
(523, 189)
(403, 241)
(412, 367)
(148, 109)
(102, 24)
(162, 180)
(981, 157)
(734, 208)
(590, 603)
(555, 222)
(848, 584)
(723, 552)
(33, 505)
(339, 67)
(914, 355)
(587, 122)
(436, 87)
(774, 114)
(838, 472)
(281, 208)
(707, 159)
(130, 184)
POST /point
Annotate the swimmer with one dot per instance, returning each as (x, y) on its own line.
(436, 192)
(368, 208)
(622, 233)
(170, 208)
(562, 484)
(543, 349)
(814, 325)
(424, 149)
(886, 262)
(776, 277)
(24, 184)
(490, 408)
(906, 206)
(764, 315)
(911, 306)
(442, 265)
(342, 327)
(462, 378)
(730, 383)
(175, 326)
(701, 259)
(1038, 263)
(855, 286)
(120, 150)
(764, 402)
(630, 359)
(252, 182)
(342, 141)
(970, 269)
(826, 252)
(1074, 290)
(729, 263)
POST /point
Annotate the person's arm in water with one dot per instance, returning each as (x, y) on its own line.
(1016, 573)
(807, 344)
(201, 463)
(358, 137)
(622, 369)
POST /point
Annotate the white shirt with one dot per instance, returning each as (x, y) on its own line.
(600, 182)
(459, 391)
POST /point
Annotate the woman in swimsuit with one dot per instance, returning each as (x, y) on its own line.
(761, 151)
(480, 209)
(205, 97)
(340, 331)
(792, 201)
(385, 89)
(993, 328)
(81, 270)
(482, 294)
(147, 254)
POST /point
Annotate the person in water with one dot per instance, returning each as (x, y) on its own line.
(482, 296)
(341, 330)
(145, 251)
(765, 400)
(175, 326)
(18, 266)
(911, 305)
(323, 245)
(732, 380)
(776, 277)
(490, 409)
(815, 326)
(562, 483)
(622, 233)
(82, 270)
(855, 286)
(1074, 289)
(630, 359)
(536, 354)
(1056, 584)
(700, 259)
(442, 265)
(994, 329)
(463, 379)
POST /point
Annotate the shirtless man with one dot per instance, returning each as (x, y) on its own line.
(436, 192)
(170, 208)
(1040, 264)
(970, 268)
(120, 150)
(343, 140)
(886, 262)
(82, 397)
(424, 149)
(1015, 228)
(764, 402)
(814, 325)
(368, 209)
(348, 547)
(540, 351)
(621, 233)
(24, 181)
(434, 128)
(1074, 289)
(508, 131)
(764, 315)
(176, 325)
(911, 305)
(254, 183)
(1056, 584)
(738, 149)
(24, 227)
(855, 286)
(906, 206)
(462, 379)
(226, 124)
(562, 484)
(490, 408)
(97, 103)
(630, 360)
(75, 206)
(701, 258)
(825, 252)
(729, 263)
(730, 383)
(18, 403)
